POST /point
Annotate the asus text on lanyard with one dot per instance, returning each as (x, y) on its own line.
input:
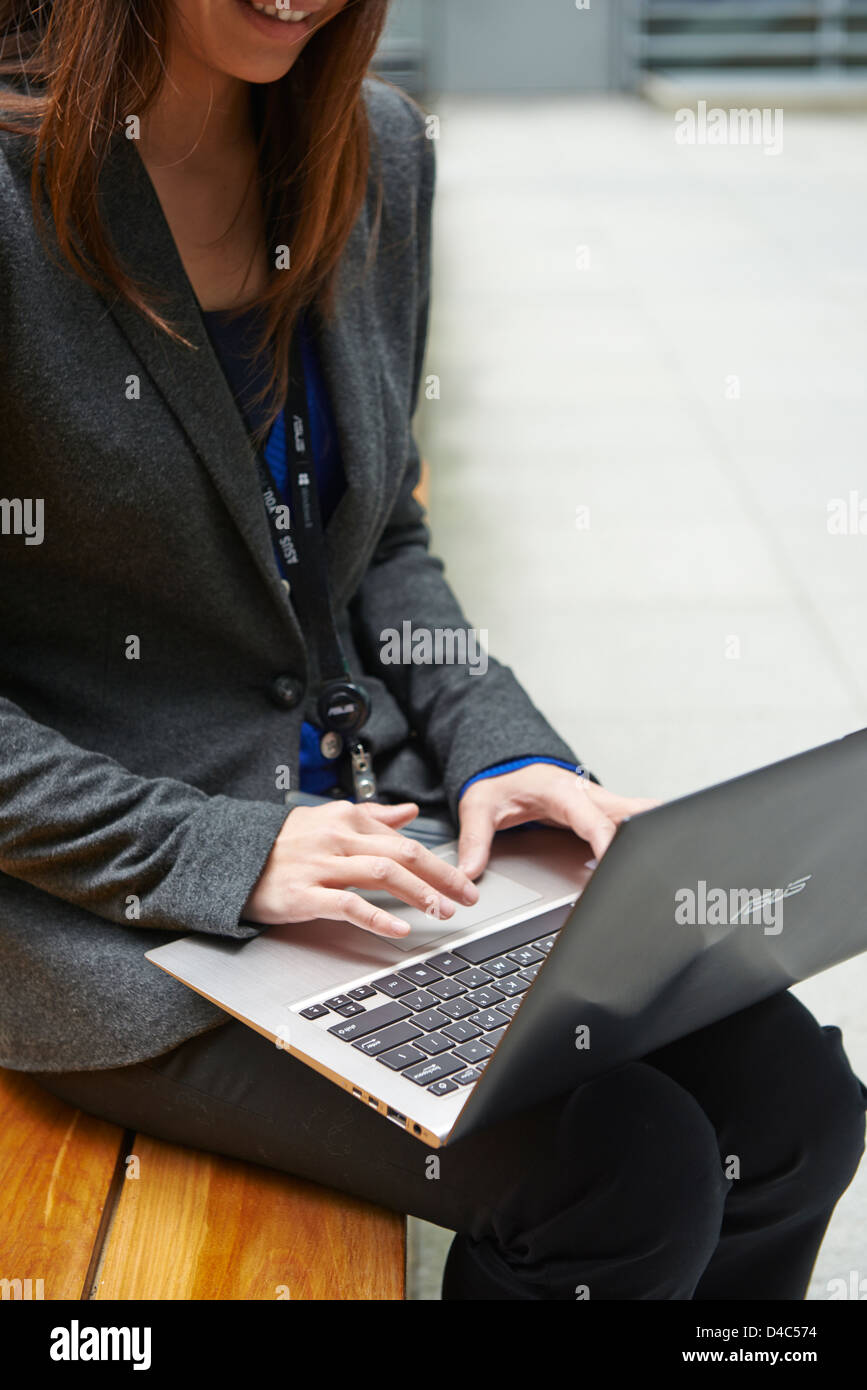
(343, 705)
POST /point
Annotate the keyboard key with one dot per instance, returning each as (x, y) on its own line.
(446, 963)
(400, 1057)
(314, 1011)
(457, 1008)
(467, 1076)
(442, 1088)
(433, 1068)
(447, 989)
(362, 992)
(338, 1001)
(430, 1019)
(486, 998)
(515, 984)
(462, 1031)
(545, 944)
(419, 999)
(531, 971)
(420, 974)
(369, 1022)
(347, 1010)
(393, 985)
(474, 978)
(509, 1006)
(473, 1051)
(493, 1038)
(497, 943)
(500, 965)
(432, 1043)
(387, 1038)
(527, 955)
(489, 1018)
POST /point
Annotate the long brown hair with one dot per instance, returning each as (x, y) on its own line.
(83, 66)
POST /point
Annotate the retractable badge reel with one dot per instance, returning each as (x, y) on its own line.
(343, 707)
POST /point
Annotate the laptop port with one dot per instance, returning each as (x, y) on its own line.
(396, 1116)
(373, 1102)
(356, 1093)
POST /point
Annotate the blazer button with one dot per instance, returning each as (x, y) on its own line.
(286, 691)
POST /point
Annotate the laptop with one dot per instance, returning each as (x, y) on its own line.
(564, 969)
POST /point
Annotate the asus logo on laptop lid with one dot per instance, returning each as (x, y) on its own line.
(716, 907)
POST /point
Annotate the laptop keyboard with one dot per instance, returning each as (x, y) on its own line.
(437, 1021)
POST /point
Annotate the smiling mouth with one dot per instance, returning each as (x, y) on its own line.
(275, 12)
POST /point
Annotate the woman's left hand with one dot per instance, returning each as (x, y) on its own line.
(539, 792)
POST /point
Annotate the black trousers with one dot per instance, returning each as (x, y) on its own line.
(708, 1170)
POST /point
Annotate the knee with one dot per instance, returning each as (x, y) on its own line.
(828, 1109)
(658, 1162)
(626, 1197)
(789, 1109)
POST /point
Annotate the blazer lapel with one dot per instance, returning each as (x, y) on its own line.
(194, 387)
(351, 367)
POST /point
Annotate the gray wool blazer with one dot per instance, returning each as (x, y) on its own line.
(139, 793)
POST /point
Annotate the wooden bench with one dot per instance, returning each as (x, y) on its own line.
(77, 1223)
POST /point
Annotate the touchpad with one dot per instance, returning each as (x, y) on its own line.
(497, 894)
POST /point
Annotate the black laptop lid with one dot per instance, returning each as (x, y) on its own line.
(664, 939)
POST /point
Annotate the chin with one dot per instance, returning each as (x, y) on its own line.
(236, 48)
(255, 69)
(251, 53)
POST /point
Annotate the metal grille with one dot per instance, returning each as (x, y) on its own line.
(818, 36)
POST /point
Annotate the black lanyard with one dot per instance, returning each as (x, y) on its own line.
(343, 704)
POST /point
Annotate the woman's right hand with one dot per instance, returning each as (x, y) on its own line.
(323, 852)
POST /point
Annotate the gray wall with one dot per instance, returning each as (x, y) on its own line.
(510, 45)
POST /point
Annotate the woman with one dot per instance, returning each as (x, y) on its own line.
(197, 193)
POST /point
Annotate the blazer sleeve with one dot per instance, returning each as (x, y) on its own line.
(147, 852)
(468, 722)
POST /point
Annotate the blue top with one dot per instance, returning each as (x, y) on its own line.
(234, 341)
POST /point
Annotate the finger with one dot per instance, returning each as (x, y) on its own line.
(476, 834)
(380, 873)
(597, 829)
(588, 820)
(339, 905)
(618, 807)
(376, 819)
(446, 878)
